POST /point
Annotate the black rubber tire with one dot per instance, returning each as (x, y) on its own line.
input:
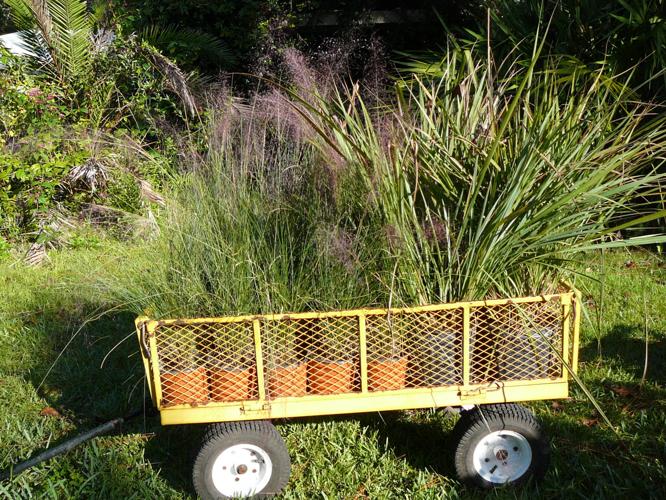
(221, 436)
(471, 428)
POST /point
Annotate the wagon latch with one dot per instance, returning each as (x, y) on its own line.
(477, 392)
(254, 407)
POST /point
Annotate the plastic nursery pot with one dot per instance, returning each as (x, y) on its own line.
(185, 387)
(286, 381)
(387, 374)
(231, 384)
(330, 377)
(437, 361)
(526, 355)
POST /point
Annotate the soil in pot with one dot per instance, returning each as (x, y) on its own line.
(330, 377)
(185, 387)
(287, 381)
(231, 384)
(387, 374)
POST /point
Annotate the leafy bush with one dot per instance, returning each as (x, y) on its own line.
(100, 73)
(127, 92)
(27, 104)
(28, 190)
(629, 35)
(51, 114)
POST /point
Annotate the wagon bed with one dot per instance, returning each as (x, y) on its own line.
(323, 363)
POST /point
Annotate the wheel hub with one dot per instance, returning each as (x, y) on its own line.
(502, 456)
(241, 470)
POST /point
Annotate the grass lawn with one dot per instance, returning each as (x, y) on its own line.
(46, 398)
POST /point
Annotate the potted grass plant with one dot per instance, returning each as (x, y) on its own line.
(286, 370)
(331, 367)
(387, 360)
(231, 367)
(437, 356)
(524, 349)
(183, 378)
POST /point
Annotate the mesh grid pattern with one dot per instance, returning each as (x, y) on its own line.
(314, 356)
(414, 349)
(204, 362)
(200, 361)
(515, 342)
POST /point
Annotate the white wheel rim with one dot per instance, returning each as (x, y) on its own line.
(241, 470)
(502, 456)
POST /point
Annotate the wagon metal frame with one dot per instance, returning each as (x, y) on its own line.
(473, 337)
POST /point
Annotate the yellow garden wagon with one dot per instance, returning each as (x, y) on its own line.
(239, 373)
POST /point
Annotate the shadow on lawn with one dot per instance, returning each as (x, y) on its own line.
(77, 382)
(593, 459)
(623, 342)
(425, 445)
(88, 393)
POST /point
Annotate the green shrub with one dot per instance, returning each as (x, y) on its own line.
(30, 186)
(27, 105)
(127, 92)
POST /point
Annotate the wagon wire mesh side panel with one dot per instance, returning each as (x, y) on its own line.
(282, 365)
(428, 346)
(516, 342)
(206, 362)
(311, 356)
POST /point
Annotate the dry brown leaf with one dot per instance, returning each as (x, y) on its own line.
(47, 411)
(590, 422)
(557, 406)
(624, 391)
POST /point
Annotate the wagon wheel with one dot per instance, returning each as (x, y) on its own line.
(240, 460)
(499, 444)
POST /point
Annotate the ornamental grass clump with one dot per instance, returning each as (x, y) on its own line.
(493, 183)
(251, 227)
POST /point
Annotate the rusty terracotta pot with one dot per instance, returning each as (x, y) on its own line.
(387, 374)
(185, 387)
(231, 384)
(287, 381)
(330, 377)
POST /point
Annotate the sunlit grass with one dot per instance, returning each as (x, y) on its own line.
(402, 455)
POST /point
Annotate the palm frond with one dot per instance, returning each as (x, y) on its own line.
(21, 14)
(72, 30)
(57, 34)
(175, 78)
(205, 44)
